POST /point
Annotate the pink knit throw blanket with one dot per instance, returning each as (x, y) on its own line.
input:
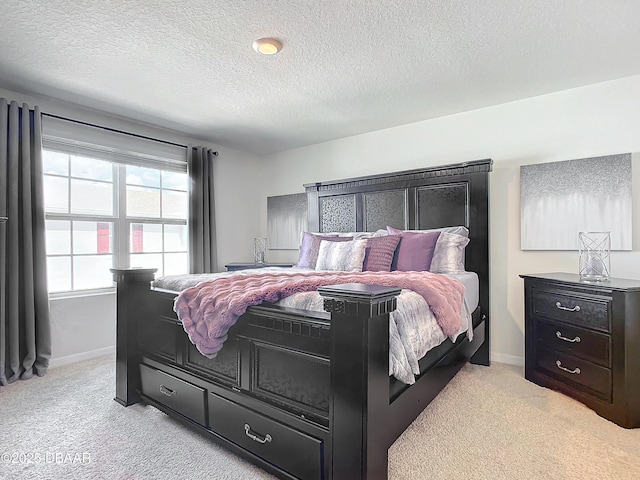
(211, 308)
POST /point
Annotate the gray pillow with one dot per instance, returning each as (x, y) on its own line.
(458, 230)
(341, 256)
(448, 256)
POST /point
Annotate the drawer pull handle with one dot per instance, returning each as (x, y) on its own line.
(575, 371)
(574, 309)
(167, 391)
(254, 436)
(571, 340)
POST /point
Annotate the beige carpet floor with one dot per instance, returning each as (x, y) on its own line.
(488, 423)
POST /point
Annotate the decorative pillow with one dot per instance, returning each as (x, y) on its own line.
(310, 247)
(379, 253)
(304, 234)
(341, 256)
(449, 253)
(458, 230)
(415, 251)
(359, 235)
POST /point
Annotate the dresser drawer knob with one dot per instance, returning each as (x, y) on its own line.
(571, 340)
(167, 391)
(575, 371)
(574, 309)
(254, 436)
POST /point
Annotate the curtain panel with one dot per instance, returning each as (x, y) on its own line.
(25, 333)
(202, 221)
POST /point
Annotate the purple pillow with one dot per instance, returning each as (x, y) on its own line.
(415, 250)
(379, 253)
(310, 246)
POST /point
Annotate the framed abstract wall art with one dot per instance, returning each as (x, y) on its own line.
(286, 219)
(560, 199)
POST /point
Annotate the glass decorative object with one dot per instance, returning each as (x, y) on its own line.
(595, 249)
(259, 250)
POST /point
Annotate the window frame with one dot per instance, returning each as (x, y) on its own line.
(167, 158)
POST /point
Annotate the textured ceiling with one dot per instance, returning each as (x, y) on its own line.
(347, 67)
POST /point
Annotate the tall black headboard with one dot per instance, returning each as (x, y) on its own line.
(420, 199)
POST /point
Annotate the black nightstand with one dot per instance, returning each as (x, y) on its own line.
(246, 265)
(583, 339)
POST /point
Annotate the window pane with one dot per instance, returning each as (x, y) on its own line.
(81, 195)
(91, 198)
(174, 204)
(175, 263)
(56, 194)
(176, 238)
(148, 260)
(92, 272)
(92, 237)
(91, 168)
(147, 177)
(54, 162)
(58, 237)
(145, 238)
(175, 180)
(59, 274)
(143, 202)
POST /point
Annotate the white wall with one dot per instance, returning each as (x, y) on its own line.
(83, 327)
(584, 122)
(595, 120)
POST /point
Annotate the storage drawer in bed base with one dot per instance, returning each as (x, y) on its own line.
(292, 450)
(183, 397)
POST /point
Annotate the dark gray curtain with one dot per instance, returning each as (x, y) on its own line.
(202, 220)
(25, 333)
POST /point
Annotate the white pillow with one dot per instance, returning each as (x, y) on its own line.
(448, 256)
(341, 256)
(458, 230)
(359, 235)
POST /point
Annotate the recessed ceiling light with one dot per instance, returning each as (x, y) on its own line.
(267, 46)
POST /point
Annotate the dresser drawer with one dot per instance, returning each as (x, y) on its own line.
(566, 305)
(583, 375)
(587, 344)
(295, 452)
(181, 396)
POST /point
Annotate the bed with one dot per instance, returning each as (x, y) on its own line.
(304, 393)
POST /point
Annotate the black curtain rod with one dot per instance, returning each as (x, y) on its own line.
(115, 130)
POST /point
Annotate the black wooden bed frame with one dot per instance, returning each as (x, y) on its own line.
(307, 394)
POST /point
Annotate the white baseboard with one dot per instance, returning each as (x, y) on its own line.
(79, 357)
(508, 359)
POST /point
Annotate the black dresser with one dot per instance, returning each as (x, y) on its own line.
(583, 339)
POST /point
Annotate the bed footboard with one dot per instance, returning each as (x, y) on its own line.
(304, 395)
(351, 349)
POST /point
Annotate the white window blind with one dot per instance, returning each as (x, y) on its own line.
(88, 141)
(111, 200)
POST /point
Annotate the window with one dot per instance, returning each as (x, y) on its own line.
(104, 209)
